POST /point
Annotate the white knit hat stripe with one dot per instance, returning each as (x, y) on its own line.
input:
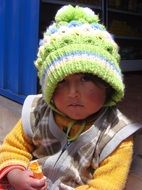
(80, 57)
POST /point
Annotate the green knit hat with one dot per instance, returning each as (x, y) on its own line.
(77, 43)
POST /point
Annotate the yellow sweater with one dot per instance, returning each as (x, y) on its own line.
(111, 174)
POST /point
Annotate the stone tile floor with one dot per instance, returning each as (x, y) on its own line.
(131, 106)
(9, 114)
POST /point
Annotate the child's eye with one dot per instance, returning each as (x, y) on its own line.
(86, 78)
(62, 81)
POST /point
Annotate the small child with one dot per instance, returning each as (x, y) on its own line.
(73, 129)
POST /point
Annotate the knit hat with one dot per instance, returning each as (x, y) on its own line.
(77, 43)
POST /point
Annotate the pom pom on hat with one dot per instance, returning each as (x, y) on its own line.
(77, 43)
(69, 13)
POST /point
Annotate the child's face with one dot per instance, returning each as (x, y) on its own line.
(78, 96)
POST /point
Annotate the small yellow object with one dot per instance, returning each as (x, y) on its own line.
(36, 169)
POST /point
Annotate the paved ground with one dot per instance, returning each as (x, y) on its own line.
(9, 114)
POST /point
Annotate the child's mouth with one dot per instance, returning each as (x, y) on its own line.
(75, 105)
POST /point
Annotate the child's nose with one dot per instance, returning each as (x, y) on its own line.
(73, 90)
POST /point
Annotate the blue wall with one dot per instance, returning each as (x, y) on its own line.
(19, 26)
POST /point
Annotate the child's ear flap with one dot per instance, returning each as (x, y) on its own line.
(109, 93)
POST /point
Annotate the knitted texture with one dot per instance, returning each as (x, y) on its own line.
(110, 169)
(19, 147)
(77, 43)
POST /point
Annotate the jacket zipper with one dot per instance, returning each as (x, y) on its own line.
(64, 148)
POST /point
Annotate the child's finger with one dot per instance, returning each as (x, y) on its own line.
(39, 183)
(45, 186)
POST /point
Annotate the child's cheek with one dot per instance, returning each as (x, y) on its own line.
(95, 94)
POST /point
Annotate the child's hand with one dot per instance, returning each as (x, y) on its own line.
(24, 180)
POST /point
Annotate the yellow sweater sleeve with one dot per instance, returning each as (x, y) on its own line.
(113, 171)
(16, 148)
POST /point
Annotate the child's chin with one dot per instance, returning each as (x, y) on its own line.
(76, 117)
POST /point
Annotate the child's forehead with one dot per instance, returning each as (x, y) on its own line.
(87, 76)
